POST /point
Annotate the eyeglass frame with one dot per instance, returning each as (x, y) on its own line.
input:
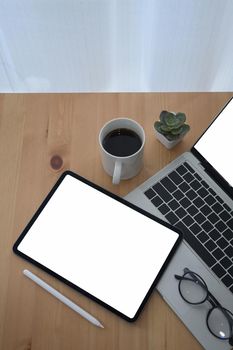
(211, 299)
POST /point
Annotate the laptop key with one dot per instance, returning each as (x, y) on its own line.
(218, 253)
(225, 262)
(222, 243)
(230, 223)
(197, 176)
(226, 207)
(181, 170)
(195, 228)
(188, 220)
(203, 237)
(202, 192)
(199, 218)
(207, 226)
(205, 210)
(184, 187)
(219, 270)
(198, 202)
(220, 199)
(230, 271)
(189, 167)
(168, 184)
(204, 184)
(224, 215)
(210, 200)
(191, 195)
(173, 204)
(195, 184)
(213, 218)
(212, 191)
(196, 245)
(192, 210)
(175, 177)
(217, 208)
(178, 194)
(220, 226)
(214, 234)
(227, 280)
(228, 234)
(172, 218)
(229, 251)
(185, 202)
(210, 245)
(164, 209)
(150, 193)
(157, 201)
(180, 213)
(188, 177)
(162, 192)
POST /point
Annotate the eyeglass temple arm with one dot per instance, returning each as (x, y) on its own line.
(178, 277)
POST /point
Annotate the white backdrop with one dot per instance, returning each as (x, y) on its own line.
(116, 45)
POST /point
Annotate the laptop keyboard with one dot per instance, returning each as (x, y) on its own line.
(206, 221)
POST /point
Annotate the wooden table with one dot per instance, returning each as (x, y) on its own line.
(33, 129)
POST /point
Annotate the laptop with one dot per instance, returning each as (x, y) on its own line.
(195, 193)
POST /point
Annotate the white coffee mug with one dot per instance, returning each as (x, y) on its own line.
(122, 168)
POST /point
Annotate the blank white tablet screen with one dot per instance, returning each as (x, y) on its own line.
(102, 246)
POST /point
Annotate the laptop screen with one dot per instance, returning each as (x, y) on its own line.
(216, 144)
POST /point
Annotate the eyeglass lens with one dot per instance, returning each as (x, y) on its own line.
(218, 323)
(192, 291)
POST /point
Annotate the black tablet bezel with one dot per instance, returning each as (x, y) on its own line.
(124, 202)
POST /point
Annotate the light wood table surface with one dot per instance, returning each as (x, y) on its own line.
(33, 129)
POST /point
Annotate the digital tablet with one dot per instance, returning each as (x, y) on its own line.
(98, 243)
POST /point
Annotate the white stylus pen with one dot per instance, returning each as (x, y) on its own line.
(62, 298)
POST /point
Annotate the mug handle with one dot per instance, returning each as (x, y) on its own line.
(117, 172)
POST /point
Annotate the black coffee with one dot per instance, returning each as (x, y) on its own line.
(122, 142)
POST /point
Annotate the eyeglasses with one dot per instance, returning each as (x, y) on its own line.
(194, 290)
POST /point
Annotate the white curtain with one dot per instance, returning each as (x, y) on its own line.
(116, 45)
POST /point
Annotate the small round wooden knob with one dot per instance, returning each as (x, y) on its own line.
(56, 162)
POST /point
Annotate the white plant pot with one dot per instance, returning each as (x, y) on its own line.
(168, 144)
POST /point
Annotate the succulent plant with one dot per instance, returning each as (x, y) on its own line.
(171, 125)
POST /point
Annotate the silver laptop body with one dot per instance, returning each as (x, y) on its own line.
(193, 316)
